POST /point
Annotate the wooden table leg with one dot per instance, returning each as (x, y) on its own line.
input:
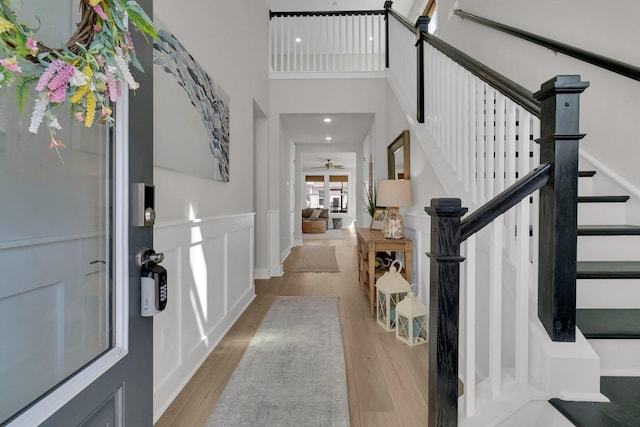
(407, 263)
(372, 282)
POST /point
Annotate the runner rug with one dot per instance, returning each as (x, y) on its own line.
(292, 373)
(319, 259)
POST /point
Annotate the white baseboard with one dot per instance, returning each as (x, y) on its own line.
(262, 273)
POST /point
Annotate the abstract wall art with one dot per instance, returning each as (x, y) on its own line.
(180, 143)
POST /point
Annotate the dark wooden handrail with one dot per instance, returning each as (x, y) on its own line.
(404, 21)
(512, 90)
(327, 13)
(619, 67)
(504, 201)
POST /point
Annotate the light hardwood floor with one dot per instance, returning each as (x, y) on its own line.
(386, 379)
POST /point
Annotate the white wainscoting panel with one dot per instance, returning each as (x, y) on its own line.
(210, 265)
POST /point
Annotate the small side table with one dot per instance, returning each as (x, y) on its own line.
(370, 242)
(337, 223)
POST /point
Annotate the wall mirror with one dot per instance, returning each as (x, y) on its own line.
(398, 157)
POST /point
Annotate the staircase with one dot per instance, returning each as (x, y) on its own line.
(608, 301)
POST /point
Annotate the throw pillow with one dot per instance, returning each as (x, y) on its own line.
(316, 213)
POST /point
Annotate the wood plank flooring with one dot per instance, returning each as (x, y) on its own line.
(386, 379)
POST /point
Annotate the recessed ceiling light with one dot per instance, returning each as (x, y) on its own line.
(298, 39)
(328, 138)
(327, 120)
(370, 37)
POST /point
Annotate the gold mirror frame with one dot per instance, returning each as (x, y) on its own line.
(402, 141)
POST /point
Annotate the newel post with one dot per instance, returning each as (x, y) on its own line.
(559, 137)
(387, 6)
(444, 306)
(422, 25)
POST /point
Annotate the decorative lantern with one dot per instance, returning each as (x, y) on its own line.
(390, 289)
(412, 321)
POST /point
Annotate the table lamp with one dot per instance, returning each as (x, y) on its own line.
(394, 194)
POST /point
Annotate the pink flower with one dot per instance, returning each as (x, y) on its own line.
(32, 45)
(11, 64)
(54, 143)
(78, 116)
(65, 73)
(58, 95)
(100, 61)
(48, 74)
(112, 88)
(130, 42)
(98, 9)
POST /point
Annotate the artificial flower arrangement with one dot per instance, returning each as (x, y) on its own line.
(89, 72)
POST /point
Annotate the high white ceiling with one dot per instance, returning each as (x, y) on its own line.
(343, 129)
(312, 129)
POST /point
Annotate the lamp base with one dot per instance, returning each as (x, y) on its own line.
(393, 226)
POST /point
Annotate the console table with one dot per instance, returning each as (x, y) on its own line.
(372, 241)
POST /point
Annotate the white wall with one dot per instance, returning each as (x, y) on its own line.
(218, 36)
(205, 226)
(609, 107)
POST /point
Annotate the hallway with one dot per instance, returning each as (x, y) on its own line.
(386, 380)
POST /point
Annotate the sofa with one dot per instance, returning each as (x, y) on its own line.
(309, 215)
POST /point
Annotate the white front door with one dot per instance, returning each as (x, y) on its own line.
(73, 347)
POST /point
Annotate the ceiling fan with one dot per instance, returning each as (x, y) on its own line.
(329, 165)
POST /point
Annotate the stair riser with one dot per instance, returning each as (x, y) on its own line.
(607, 293)
(585, 187)
(608, 248)
(618, 357)
(601, 213)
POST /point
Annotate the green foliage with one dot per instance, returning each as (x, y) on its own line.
(22, 91)
(141, 20)
(371, 200)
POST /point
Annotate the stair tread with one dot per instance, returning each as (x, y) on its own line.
(608, 270)
(612, 323)
(609, 230)
(593, 414)
(586, 174)
(622, 410)
(603, 199)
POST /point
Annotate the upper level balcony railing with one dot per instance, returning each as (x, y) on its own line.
(327, 42)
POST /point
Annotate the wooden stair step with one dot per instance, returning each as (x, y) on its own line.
(586, 174)
(603, 199)
(592, 414)
(622, 410)
(608, 270)
(609, 323)
(609, 230)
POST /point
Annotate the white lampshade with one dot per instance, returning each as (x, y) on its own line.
(394, 193)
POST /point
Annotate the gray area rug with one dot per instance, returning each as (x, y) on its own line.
(293, 372)
(314, 259)
(327, 235)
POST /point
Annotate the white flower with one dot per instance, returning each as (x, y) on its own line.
(121, 62)
(53, 123)
(38, 112)
(78, 79)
